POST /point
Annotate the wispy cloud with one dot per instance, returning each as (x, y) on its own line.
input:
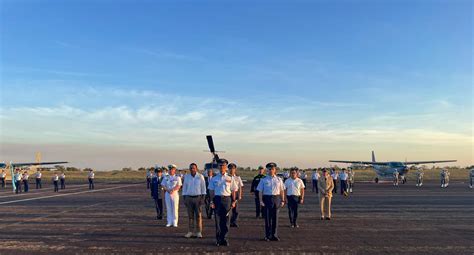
(160, 53)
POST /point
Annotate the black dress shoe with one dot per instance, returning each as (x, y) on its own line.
(234, 225)
(328, 218)
(275, 238)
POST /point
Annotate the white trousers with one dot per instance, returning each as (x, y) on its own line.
(172, 205)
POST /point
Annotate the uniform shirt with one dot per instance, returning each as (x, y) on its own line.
(223, 185)
(237, 181)
(420, 174)
(38, 175)
(156, 186)
(315, 176)
(194, 186)
(351, 175)
(343, 176)
(25, 177)
(18, 177)
(293, 186)
(91, 175)
(172, 181)
(148, 174)
(326, 185)
(334, 176)
(256, 181)
(3, 175)
(271, 186)
(55, 178)
(63, 176)
(303, 175)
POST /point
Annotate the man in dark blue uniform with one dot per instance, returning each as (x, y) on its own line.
(253, 189)
(157, 192)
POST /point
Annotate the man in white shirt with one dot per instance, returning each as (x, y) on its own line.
(3, 176)
(238, 196)
(272, 198)
(419, 177)
(314, 180)
(91, 177)
(334, 176)
(343, 176)
(294, 191)
(17, 179)
(194, 191)
(62, 178)
(38, 176)
(223, 193)
(350, 180)
(396, 178)
(55, 182)
(171, 186)
(25, 178)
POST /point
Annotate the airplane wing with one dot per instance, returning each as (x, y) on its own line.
(428, 162)
(38, 164)
(358, 162)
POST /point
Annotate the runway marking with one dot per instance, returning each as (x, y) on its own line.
(67, 194)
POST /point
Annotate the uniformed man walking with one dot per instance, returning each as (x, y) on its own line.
(91, 177)
(55, 179)
(253, 189)
(62, 179)
(272, 198)
(157, 192)
(419, 177)
(3, 176)
(223, 194)
(326, 186)
(238, 196)
(38, 176)
(350, 180)
(444, 178)
(207, 201)
(171, 186)
(314, 180)
(396, 178)
(17, 179)
(343, 176)
(25, 178)
(194, 191)
(294, 192)
(334, 176)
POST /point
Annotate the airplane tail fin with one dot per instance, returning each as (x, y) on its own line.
(373, 156)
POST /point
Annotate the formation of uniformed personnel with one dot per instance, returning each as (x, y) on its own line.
(294, 192)
(334, 176)
(171, 186)
(343, 176)
(157, 192)
(148, 178)
(253, 189)
(17, 179)
(444, 178)
(62, 178)
(25, 178)
(272, 198)
(223, 194)
(419, 177)
(194, 191)
(3, 176)
(90, 178)
(314, 180)
(396, 178)
(326, 186)
(350, 181)
(471, 178)
(238, 196)
(38, 176)
(207, 200)
(55, 179)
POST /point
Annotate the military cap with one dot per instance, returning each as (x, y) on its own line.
(232, 165)
(270, 165)
(222, 161)
(172, 166)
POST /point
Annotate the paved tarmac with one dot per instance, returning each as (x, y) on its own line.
(120, 219)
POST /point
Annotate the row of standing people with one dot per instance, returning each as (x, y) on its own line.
(225, 191)
(21, 180)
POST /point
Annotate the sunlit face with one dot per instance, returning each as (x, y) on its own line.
(210, 172)
(232, 170)
(223, 168)
(193, 169)
(173, 171)
(262, 171)
(272, 171)
(294, 174)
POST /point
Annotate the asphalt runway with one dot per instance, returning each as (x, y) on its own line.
(120, 219)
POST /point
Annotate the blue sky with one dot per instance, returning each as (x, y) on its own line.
(297, 82)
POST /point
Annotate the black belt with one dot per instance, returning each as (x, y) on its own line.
(193, 196)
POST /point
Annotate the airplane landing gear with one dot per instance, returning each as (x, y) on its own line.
(376, 180)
